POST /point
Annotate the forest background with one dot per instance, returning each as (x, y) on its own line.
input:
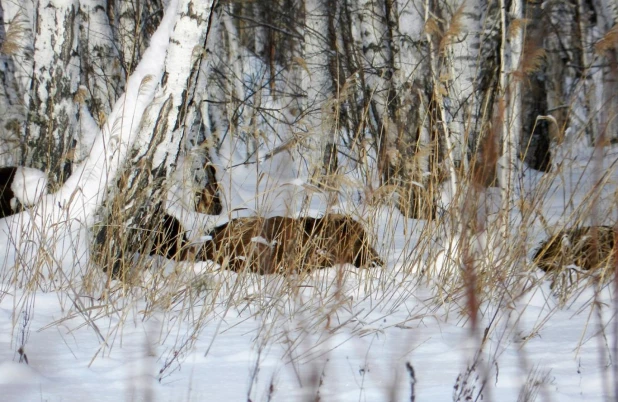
(435, 113)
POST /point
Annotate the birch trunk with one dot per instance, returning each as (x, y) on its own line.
(317, 84)
(588, 97)
(52, 113)
(608, 127)
(409, 108)
(101, 71)
(132, 23)
(140, 196)
(11, 94)
(58, 224)
(377, 61)
(461, 63)
(511, 92)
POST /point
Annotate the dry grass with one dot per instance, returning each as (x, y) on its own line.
(14, 40)
(463, 254)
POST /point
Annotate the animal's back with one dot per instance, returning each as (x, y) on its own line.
(588, 247)
(281, 244)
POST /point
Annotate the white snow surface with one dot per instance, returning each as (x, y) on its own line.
(338, 337)
(344, 340)
(29, 185)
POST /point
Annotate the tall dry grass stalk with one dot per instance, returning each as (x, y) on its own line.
(461, 254)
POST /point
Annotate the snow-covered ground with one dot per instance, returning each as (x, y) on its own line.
(340, 337)
(397, 333)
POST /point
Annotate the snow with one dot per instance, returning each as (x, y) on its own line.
(29, 185)
(192, 332)
(343, 340)
(59, 222)
(241, 352)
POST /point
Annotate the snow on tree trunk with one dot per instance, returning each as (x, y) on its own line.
(139, 199)
(52, 236)
(188, 40)
(52, 113)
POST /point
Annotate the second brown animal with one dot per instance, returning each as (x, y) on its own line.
(587, 247)
(284, 245)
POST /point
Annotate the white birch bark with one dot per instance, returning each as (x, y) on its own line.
(12, 112)
(587, 97)
(438, 98)
(462, 61)
(24, 12)
(376, 59)
(52, 117)
(52, 235)
(101, 71)
(376, 56)
(607, 13)
(511, 91)
(609, 101)
(405, 22)
(234, 57)
(128, 20)
(187, 41)
(316, 82)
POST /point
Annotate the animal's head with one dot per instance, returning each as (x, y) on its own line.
(355, 244)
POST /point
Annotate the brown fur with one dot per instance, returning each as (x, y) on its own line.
(280, 244)
(586, 247)
(208, 198)
(157, 234)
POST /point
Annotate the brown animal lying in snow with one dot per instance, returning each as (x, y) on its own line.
(262, 245)
(281, 245)
(578, 246)
(156, 233)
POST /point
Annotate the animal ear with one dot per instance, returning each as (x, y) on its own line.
(209, 200)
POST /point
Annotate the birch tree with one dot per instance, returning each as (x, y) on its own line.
(510, 87)
(390, 93)
(461, 44)
(11, 104)
(102, 76)
(377, 59)
(49, 129)
(411, 107)
(607, 14)
(317, 83)
(139, 197)
(53, 235)
(131, 22)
